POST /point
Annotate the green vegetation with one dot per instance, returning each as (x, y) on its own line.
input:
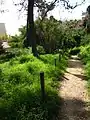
(75, 51)
(51, 35)
(49, 40)
(20, 94)
(85, 55)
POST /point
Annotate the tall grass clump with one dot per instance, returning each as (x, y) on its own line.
(85, 55)
(20, 92)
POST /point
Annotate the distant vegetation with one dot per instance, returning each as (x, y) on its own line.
(20, 92)
(85, 55)
(52, 35)
(41, 46)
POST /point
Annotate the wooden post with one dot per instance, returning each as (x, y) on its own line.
(42, 85)
(55, 62)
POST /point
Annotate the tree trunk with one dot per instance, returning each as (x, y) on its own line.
(31, 36)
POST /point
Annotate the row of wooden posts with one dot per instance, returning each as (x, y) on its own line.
(42, 81)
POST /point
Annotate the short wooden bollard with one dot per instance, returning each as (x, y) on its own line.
(55, 62)
(42, 85)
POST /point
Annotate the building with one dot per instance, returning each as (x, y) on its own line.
(4, 42)
(2, 29)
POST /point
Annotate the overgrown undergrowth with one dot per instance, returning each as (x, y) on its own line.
(20, 94)
(85, 55)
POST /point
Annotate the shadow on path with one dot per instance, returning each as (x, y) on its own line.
(74, 98)
(73, 109)
(81, 76)
(74, 64)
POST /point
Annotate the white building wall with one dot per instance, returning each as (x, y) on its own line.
(2, 29)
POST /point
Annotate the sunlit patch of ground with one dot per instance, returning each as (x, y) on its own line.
(73, 92)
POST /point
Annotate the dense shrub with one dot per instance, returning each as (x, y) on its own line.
(2, 50)
(20, 94)
(16, 41)
(51, 35)
(85, 55)
(74, 51)
(40, 49)
(14, 52)
(85, 39)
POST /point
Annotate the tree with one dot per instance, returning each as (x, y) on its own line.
(31, 31)
(88, 9)
(44, 7)
(86, 21)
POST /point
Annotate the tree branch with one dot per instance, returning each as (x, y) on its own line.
(68, 6)
(45, 7)
(49, 8)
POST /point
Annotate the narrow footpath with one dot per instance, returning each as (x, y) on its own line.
(73, 93)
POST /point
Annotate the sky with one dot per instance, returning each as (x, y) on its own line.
(13, 21)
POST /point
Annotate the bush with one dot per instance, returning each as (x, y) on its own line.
(40, 49)
(85, 39)
(2, 50)
(74, 51)
(85, 55)
(14, 52)
(16, 41)
(20, 92)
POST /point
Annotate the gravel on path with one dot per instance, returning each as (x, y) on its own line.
(73, 92)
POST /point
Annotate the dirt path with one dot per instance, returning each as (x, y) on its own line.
(73, 93)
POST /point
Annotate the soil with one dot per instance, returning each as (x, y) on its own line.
(73, 92)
